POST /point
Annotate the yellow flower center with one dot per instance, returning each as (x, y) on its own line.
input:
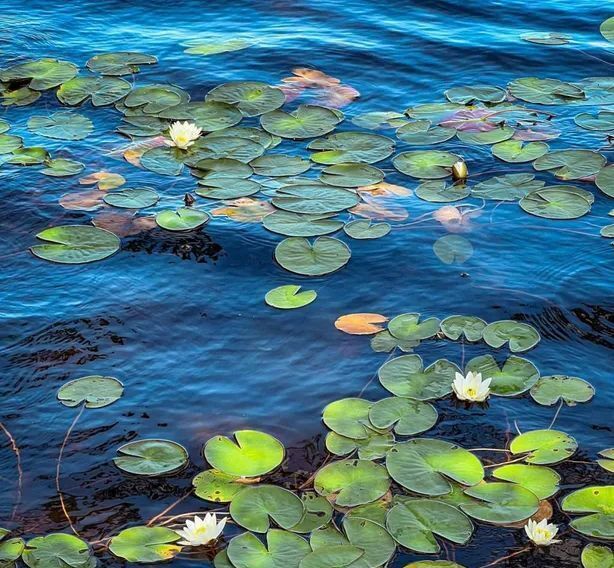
(544, 534)
(471, 391)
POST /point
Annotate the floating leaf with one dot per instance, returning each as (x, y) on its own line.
(509, 187)
(571, 164)
(244, 209)
(360, 324)
(542, 481)
(346, 147)
(405, 376)
(83, 201)
(516, 152)
(209, 116)
(61, 167)
(351, 174)
(101, 90)
(4, 126)
(198, 47)
(145, 544)
(274, 165)
(409, 327)
(246, 132)
(544, 91)
(182, 219)
(480, 93)
(19, 97)
(494, 136)
(429, 164)
(544, 447)
(216, 486)
(596, 500)
(515, 377)
(365, 229)
(424, 465)
(608, 462)
(42, 74)
(154, 99)
(546, 38)
(95, 391)
(123, 223)
(28, 156)
(142, 126)
(288, 297)
(299, 225)
(318, 513)
(220, 147)
(452, 249)
(385, 342)
(379, 119)
(607, 231)
(119, 62)
(550, 390)
(437, 191)
(348, 417)
(556, 202)
(607, 29)
(338, 556)
(470, 327)
(594, 555)
(352, 482)
(75, 244)
(254, 453)
(252, 98)
(9, 143)
(61, 126)
(323, 256)
(415, 523)
(57, 551)
(373, 447)
(408, 416)
(604, 180)
(315, 199)
(132, 198)
(521, 336)
(283, 549)
(604, 120)
(151, 457)
(500, 503)
(307, 121)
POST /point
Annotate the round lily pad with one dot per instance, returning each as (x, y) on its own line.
(163, 160)
(516, 376)
(596, 500)
(301, 225)
(428, 164)
(209, 116)
(254, 453)
(451, 249)
(154, 99)
(229, 147)
(540, 480)
(61, 167)
(415, 523)
(151, 457)
(145, 544)
(607, 231)
(252, 98)
(408, 416)
(603, 121)
(405, 376)
(604, 180)
(216, 486)
(556, 202)
(500, 503)
(200, 47)
(365, 229)
(75, 244)
(351, 174)
(410, 327)
(132, 198)
(42, 74)
(425, 465)
(571, 390)
(282, 549)
(323, 256)
(546, 38)
(182, 219)
(385, 342)
(248, 133)
(521, 336)
(101, 90)
(315, 199)
(252, 508)
(274, 165)
(607, 29)
(517, 151)
(142, 126)
(61, 125)
(544, 91)
(594, 555)
(607, 462)
(373, 447)
(509, 187)
(423, 133)
(338, 556)
(95, 391)
(475, 93)
(438, 191)
(469, 327)
(571, 164)
(57, 550)
(379, 119)
(348, 417)
(209, 169)
(352, 482)
(28, 156)
(4, 126)
(9, 143)
(289, 297)
(345, 147)
(544, 447)
(119, 62)
(227, 188)
(317, 513)
(307, 121)
(493, 136)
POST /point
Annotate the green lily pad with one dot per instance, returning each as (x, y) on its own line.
(544, 91)
(470, 327)
(345, 147)
(373, 447)
(323, 256)
(28, 156)
(61, 126)
(546, 38)
(43, 74)
(604, 180)
(151, 457)
(61, 167)
(385, 342)
(142, 126)
(571, 390)
(163, 160)
(425, 465)
(19, 97)
(453, 249)
(248, 133)
(314, 199)
(423, 133)
(521, 336)
(9, 143)
(58, 551)
(494, 136)
(517, 151)
(283, 550)
(348, 417)
(252, 98)
(596, 500)
(409, 417)
(210, 116)
(509, 187)
(101, 90)
(10, 549)
(607, 462)
(95, 391)
(607, 231)
(4, 126)
(210, 169)
(132, 198)
(475, 93)
(594, 555)
(500, 503)
(438, 191)
(365, 229)
(216, 486)
(540, 480)
(318, 513)
(154, 99)
(351, 174)
(288, 297)
(409, 327)
(300, 225)
(219, 147)
(252, 508)
(75, 244)
(119, 62)
(607, 29)
(516, 376)
(571, 164)
(253, 454)
(182, 219)
(544, 447)
(274, 165)
(200, 47)
(145, 544)
(556, 202)
(428, 164)
(338, 556)
(415, 524)
(603, 121)
(379, 119)
(307, 121)
(405, 376)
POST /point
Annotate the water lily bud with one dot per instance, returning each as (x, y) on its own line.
(459, 170)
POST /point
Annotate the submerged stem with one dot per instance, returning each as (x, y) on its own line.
(556, 415)
(15, 449)
(169, 508)
(499, 560)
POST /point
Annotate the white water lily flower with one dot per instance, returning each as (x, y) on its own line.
(201, 531)
(471, 388)
(183, 134)
(541, 533)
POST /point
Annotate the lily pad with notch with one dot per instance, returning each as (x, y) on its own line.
(40, 74)
(283, 549)
(500, 503)
(517, 375)
(61, 125)
(428, 164)
(351, 174)
(315, 199)
(344, 147)
(453, 249)
(475, 93)
(95, 391)
(217, 486)
(252, 98)
(520, 336)
(289, 297)
(182, 219)
(597, 501)
(119, 62)
(323, 256)
(145, 544)
(508, 187)
(470, 328)
(556, 202)
(494, 136)
(374, 447)
(301, 225)
(151, 457)
(439, 191)
(407, 416)
(411, 327)
(227, 188)
(317, 513)
(570, 390)
(100, 90)
(540, 480)
(307, 121)
(544, 447)
(424, 133)
(518, 152)
(62, 167)
(571, 164)
(129, 198)
(594, 555)
(544, 91)
(277, 165)
(365, 229)
(58, 550)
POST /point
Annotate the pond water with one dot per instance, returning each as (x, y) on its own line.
(180, 318)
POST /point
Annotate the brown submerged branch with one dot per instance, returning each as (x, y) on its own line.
(15, 449)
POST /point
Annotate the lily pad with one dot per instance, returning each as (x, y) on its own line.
(227, 188)
(500, 503)
(318, 513)
(405, 376)
(274, 165)
(9, 143)
(153, 99)
(19, 97)
(607, 461)
(254, 506)
(428, 164)
(365, 229)
(571, 390)
(61, 167)
(4, 126)
(607, 29)
(283, 550)
(252, 98)
(119, 62)
(517, 151)
(253, 454)
(470, 327)
(314, 199)
(594, 555)
(604, 180)
(415, 523)
(323, 256)
(307, 121)
(349, 483)
(423, 133)
(438, 191)
(494, 136)
(544, 447)
(451, 249)
(10, 549)
(546, 38)
(603, 121)
(219, 169)
(351, 174)
(95, 391)
(182, 219)
(345, 147)
(540, 480)
(132, 198)
(28, 156)
(348, 417)
(338, 556)
(145, 544)
(300, 225)
(151, 457)
(43, 74)
(596, 500)
(210, 116)
(475, 93)
(379, 119)
(200, 47)
(556, 202)
(247, 132)
(410, 327)
(163, 160)
(229, 147)
(521, 336)
(289, 297)
(509, 187)
(571, 164)
(58, 551)
(216, 486)
(516, 376)
(409, 417)
(373, 447)
(385, 342)
(75, 244)
(61, 126)
(544, 91)
(101, 90)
